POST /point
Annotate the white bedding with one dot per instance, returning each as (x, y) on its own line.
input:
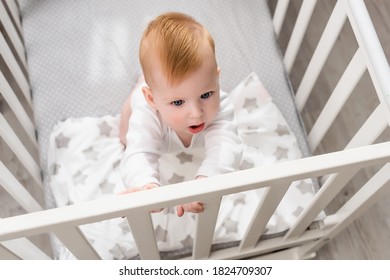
(84, 156)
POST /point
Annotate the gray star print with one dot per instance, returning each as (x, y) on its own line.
(104, 129)
(90, 153)
(230, 225)
(282, 130)
(107, 187)
(305, 187)
(183, 157)
(239, 200)
(187, 242)
(79, 178)
(246, 165)
(175, 179)
(161, 234)
(281, 153)
(298, 211)
(251, 104)
(62, 141)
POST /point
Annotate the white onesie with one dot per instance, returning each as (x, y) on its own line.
(148, 137)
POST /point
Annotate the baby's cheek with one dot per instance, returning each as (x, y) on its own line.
(178, 118)
(213, 110)
(174, 117)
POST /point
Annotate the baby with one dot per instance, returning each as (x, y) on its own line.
(180, 107)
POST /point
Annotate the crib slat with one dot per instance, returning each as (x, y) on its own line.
(12, 5)
(25, 249)
(17, 191)
(333, 185)
(328, 38)
(76, 242)
(205, 227)
(13, 65)
(12, 33)
(371, 129)
(368, 132)
(141, 227)
(298, 33)
(366, 135)
(362, 200)
(279, 15)
(5, 254)
(20, 150)
(368, 41)
(263, 213)
(342, 91)
(18, 109)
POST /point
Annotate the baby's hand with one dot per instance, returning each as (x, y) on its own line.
(193, 207)
(131, 190)
(137, 189)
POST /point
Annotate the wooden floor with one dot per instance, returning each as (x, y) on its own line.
(369, 236)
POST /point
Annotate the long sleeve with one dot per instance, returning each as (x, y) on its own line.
(223, 146)
(139, 165)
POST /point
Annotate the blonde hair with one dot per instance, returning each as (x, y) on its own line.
(176, 38)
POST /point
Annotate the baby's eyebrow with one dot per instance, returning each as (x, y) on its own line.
(174, 98)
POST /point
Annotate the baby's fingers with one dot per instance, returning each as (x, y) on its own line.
(130, 190)
(179, 210)
(193, 207)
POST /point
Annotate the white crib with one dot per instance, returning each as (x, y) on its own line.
(301, 241)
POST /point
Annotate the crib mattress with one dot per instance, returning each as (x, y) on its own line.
(83, 57)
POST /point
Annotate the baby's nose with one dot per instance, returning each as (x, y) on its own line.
(196, 111)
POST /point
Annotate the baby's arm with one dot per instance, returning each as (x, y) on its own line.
(139, 165)
(193, 207)
(124, 120)
(224, 147)
(137, 189)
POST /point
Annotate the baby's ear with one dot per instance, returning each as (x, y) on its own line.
(148, 94)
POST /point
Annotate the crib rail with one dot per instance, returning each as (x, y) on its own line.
(368, 58)
(136, 206)
(17, 134)
(17, 131)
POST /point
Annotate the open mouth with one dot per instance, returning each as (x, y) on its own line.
(196, 128)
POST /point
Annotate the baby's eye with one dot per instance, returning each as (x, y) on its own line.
(177, 103)
(206, 95)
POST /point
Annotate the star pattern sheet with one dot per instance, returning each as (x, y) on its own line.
(84, 156)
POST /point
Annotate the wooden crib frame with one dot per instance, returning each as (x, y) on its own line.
(300, 242)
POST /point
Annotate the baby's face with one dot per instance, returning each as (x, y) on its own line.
(191, 105)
